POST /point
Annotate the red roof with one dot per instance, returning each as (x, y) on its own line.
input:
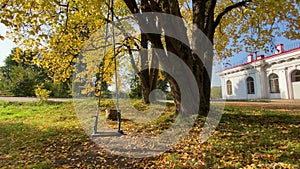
(267, 57)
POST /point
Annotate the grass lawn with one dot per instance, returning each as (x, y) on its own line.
(48, 135)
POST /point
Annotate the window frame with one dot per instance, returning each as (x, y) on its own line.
(294, 76)
(229, 87)
(274, 83)
(250, 85)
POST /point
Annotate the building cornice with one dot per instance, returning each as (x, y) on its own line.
(285, 56)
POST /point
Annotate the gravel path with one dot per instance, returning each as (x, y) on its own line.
(33, 99)
(268, 104)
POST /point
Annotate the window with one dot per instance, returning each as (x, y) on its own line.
(250, 85)
(229, 87)
(274, 83)
(296, 76)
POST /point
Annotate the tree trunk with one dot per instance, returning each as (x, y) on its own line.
(145, 94)
(175, 91)
(148, 75)
(149, 79)
(203, 18)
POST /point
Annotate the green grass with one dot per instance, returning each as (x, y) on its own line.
(48, 135)
(30, 132)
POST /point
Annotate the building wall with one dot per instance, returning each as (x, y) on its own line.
(239, 85)
(284, 71)
(281, 72)
(294, 86)
(282, 65)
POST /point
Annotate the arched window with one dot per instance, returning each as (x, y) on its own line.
(296, 76)
(250, 85)
(274, 83)
(229, 87)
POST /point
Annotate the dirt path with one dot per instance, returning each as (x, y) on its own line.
(271, 104)
(268, 104)
(32, 99)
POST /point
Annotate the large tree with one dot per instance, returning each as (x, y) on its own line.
(58, 29)
(251, 23)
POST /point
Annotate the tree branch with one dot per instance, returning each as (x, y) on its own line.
(155, 6)
(134, 66)
(228, 9)
(209, 20)
(174, 8)
(132, 5)
(199, 13)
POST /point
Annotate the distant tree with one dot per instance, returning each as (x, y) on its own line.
(21, 81)
(216, 92)
(19, 76)
(137, 87)
(59, 89)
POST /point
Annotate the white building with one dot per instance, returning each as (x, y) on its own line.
(272, 77)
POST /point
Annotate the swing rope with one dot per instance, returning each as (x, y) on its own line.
(116, 73)
(101, 70)
(101, 66)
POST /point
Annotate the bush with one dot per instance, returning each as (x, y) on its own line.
(21, 81)
(41, 93)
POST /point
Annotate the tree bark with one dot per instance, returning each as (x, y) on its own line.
(203, 17)
(148, 75)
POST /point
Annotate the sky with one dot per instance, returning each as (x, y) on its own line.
(5, 45)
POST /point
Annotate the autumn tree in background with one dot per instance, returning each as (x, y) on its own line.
(19, 76)
(216, 92)
(136, 86)
(57, 30)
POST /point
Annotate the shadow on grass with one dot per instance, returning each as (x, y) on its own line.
(26, 146)
(267, 138)
(243, 137)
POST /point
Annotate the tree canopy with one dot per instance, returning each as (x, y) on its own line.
(58, 29)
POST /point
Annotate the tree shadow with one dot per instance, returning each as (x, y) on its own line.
(23, 145)
(269, 137)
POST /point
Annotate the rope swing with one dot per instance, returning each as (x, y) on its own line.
(110, 13)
